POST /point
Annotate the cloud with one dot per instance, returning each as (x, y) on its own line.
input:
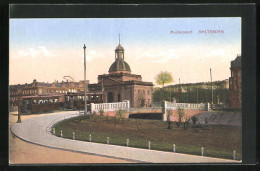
(36, 52)
(92, 55)
(162, 56)
(220, 54)
(216, 53)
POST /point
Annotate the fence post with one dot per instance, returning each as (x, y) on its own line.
(174, 148)
(127, 142)
(73, 136)
(61, 135)
(53, 131)
(92, 105)
(107, 140)
(234, 155)
(208, 106)
(90, 138)
(202, 151)
(164, 108)
(149, 145)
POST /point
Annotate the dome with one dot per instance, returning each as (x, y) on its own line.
(119, 47)
(119, 65)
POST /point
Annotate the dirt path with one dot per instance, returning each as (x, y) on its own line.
(21, 152)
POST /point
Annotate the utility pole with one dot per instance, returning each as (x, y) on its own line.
(19, 105)
(170, 95)
(179, 93)
(211, 86)
(197, 95)
(85, 99)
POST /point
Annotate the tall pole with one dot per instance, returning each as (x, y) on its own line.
(197, 95)
(85, 99)
(179, 92)
(19, 107)
(211, 86)
(170, 95)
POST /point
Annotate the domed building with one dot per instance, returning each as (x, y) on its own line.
(120, 84)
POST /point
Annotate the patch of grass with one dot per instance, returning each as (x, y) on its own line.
(218, 141)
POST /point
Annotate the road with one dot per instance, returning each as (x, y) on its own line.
(22, 152)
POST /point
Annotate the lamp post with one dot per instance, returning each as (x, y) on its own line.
(179, 91)
(85, 100)
(211, 86)
(19, 107)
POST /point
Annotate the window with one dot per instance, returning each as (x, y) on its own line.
(143, 92)
(47, 91)
(139, 91)
(148, 92)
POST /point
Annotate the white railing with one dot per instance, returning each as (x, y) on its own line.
(48, 128)
(193, 106)
(110, 106)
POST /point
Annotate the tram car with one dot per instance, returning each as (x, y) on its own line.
(50, 103)
(40, 104)
(75, 101)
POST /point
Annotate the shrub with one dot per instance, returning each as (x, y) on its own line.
(181, 114)
(101, 113)
(194, 120)
(169, 114)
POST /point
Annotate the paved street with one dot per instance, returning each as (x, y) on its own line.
(36, 130)
(22, 152)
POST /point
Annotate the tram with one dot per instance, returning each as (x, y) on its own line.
(50, 103)
(40, 104)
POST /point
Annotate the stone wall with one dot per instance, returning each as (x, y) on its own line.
(188, 113)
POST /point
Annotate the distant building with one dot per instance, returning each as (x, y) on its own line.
(120, 84)
(235, 89)
(41, 88)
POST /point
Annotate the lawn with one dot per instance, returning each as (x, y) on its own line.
(218, 141)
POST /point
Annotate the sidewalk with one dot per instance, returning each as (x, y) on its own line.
(36, 130)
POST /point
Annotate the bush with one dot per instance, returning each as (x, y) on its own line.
(181, 114)
(194, 120)
(101, 113)
(169, 114)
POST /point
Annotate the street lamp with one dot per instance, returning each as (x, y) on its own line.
(19, 106)
(85, 100)
(211, 86)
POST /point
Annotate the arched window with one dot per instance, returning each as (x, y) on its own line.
(110, 97)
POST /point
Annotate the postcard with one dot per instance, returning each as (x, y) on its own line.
(125, 90)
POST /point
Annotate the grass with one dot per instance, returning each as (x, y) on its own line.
(218, 141)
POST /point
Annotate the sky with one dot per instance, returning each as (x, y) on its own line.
(48, 49)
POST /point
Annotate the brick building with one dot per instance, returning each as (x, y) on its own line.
(41, 88)
(235, 88)
(119, 84)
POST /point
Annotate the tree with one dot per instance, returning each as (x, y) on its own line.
(164, 78)
(120, 115)
(181, 114)
(169, 114)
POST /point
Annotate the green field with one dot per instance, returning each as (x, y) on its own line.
(218, 141)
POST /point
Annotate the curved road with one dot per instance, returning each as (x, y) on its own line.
(36, 130)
